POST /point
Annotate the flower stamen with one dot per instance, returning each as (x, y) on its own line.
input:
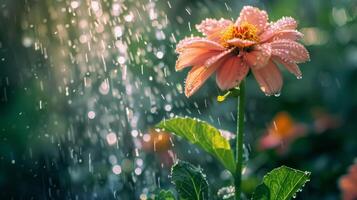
(245, 31)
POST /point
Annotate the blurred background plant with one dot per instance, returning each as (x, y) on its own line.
(82, 83)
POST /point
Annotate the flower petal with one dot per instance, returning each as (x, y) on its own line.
(197, 42)
(259, 56)
(290, 66)
(211, 26)
(192, 57)
(195, 51)
(254, 16)
(217, 57)
(241, 43)
(269, 141)
(199, 74)
(286, 35)
(180, 46)
(289, 51)
(269, 78)
(285, 23)
(231, 73)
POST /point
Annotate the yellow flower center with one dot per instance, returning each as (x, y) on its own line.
(245, 31)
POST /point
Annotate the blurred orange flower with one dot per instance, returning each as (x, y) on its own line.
(282, 130)
(157, 141)
(348, 184)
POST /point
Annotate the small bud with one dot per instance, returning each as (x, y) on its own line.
(221, 98)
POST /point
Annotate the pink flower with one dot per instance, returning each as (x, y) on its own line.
(348, 184)
(232, 48)
(282, 131)
(324, 121)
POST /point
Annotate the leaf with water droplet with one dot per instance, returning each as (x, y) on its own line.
(190, 182)
(204, 135)
(281, 184)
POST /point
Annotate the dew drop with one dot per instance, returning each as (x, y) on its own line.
(267, 94)
(74, 4)
(111, 138)
(116, 169)
(91, 114)
(159, 54)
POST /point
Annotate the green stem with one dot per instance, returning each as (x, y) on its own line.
(239, 140)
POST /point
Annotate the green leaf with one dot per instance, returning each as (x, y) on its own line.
(204, 135)
(281, 184)
(190, 182)
(165, 195)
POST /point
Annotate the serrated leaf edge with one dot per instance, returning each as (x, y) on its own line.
(290, 193)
